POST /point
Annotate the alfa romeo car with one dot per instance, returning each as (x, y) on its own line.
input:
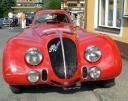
(55, 52)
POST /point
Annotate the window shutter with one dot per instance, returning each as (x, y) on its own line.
(125, 8)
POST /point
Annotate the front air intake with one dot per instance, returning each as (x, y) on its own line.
(57, 60)
(84, 72)
(44, 75)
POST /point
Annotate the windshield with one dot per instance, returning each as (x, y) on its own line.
(45, 18)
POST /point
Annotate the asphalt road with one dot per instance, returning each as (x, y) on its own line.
(119, 92)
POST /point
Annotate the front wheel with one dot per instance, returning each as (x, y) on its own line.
(16, 89)
(105, 83)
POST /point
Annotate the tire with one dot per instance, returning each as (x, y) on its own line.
(105, 83)
(16, 89)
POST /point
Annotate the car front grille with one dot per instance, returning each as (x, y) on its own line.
(57, 57)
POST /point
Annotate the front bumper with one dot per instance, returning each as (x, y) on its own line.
(52, 79)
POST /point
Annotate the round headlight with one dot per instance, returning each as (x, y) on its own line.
(94, 72)
(33, 56)
(33, 76)
(92, 54)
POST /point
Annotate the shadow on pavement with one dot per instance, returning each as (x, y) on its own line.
(47, 89)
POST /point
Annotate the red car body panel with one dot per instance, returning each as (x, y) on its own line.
(15, 68)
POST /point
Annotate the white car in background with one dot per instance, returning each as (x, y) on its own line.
(1, 22)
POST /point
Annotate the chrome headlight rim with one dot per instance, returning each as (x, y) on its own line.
(92, 47)
(31, 51)
(92, 72)
(29, 76)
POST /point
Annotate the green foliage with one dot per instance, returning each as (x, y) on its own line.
(66, 8)
(5, 7)
(52, 4)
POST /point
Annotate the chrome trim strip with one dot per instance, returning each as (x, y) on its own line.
(63, 53)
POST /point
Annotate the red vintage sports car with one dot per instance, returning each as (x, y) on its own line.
(55, 52)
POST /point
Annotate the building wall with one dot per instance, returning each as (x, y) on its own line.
(89, 15)
(25, 1)
(78, 5)
(27, 5)
(26, 9)
(122, 37)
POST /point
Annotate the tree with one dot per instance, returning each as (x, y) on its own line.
(5, 7)
(52, 4)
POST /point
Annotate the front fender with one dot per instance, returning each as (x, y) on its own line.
(14, 56)
(110, 63)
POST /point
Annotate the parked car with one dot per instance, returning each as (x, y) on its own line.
(5, 21)
(1, 22)
(55, 52)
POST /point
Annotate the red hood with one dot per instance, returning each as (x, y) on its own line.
(38, 32)
(44, 28)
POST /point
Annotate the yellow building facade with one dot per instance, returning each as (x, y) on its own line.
(100, 18)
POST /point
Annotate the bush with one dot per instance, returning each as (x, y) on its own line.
(5, 7)
(52, 4)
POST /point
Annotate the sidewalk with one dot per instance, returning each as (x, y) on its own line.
(123, 47)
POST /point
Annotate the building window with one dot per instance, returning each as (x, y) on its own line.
(125, 8)
(82, 4)
(72, 4)
(109, 15)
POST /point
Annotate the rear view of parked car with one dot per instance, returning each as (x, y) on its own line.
(5, 21)
(1, 23)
